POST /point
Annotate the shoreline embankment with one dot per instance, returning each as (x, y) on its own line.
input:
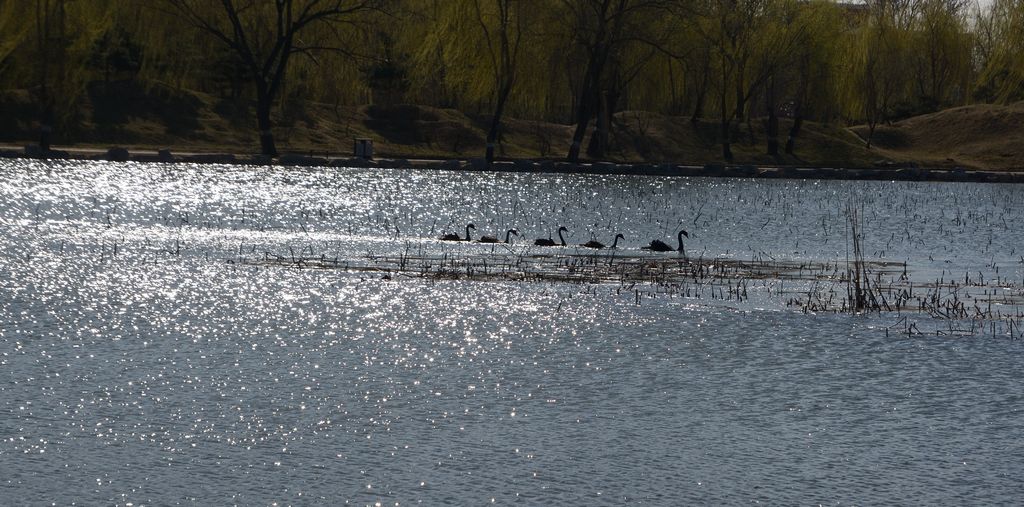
(893, 172)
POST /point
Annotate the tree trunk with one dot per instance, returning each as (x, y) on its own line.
(583, 114)
(798, 110)
(599, 139)
(577, 137)
(46, 128)
(798, 121)
(741, 99)
(872, 123)
(726, 149)
(499, 110)
(48, 53)
(588, 100)
(267, 146)
(773, 119)
(675, 108)
(702, 90)
(698, 107)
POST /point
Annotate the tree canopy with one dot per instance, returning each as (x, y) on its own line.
(570, 61)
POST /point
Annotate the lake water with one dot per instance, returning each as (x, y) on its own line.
(160, 345)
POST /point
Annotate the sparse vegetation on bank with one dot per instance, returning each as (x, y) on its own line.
(192, 121)
(984, 137)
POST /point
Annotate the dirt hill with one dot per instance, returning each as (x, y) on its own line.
(980, 136)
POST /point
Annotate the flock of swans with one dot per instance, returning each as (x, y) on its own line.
(656, 245)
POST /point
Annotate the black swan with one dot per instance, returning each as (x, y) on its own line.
(549, 241)
(658, 245)
(455, 237)
(598, 245)
(492, 239)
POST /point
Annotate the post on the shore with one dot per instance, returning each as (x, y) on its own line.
(363, 148)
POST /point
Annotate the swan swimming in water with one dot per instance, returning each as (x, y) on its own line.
(455, 237)
(492, 239)
(549, 241)
(658, 245)
(598, 245)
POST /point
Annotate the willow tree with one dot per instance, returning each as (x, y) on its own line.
(795, 62)
(696, 58)
(599, 31)
(815, 60)
(658, 74)
(418, 42)
(1002, 74)
(623, 69)
(44, 47)
(266, 35)
(941, 50)
(13, 31)
(501, 24)
(878, 54)
(733, 28)
(479, 43)
(51, 37)
(783, 36)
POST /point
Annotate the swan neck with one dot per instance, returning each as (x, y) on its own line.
(560, 237)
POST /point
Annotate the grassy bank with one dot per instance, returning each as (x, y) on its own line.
(124, 114)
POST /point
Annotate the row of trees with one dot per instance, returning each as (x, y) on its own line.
(570, 61)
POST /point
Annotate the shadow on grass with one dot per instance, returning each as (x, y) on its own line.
(412, 125)
(116, 103)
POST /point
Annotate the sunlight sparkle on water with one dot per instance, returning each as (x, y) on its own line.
(160, 322)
